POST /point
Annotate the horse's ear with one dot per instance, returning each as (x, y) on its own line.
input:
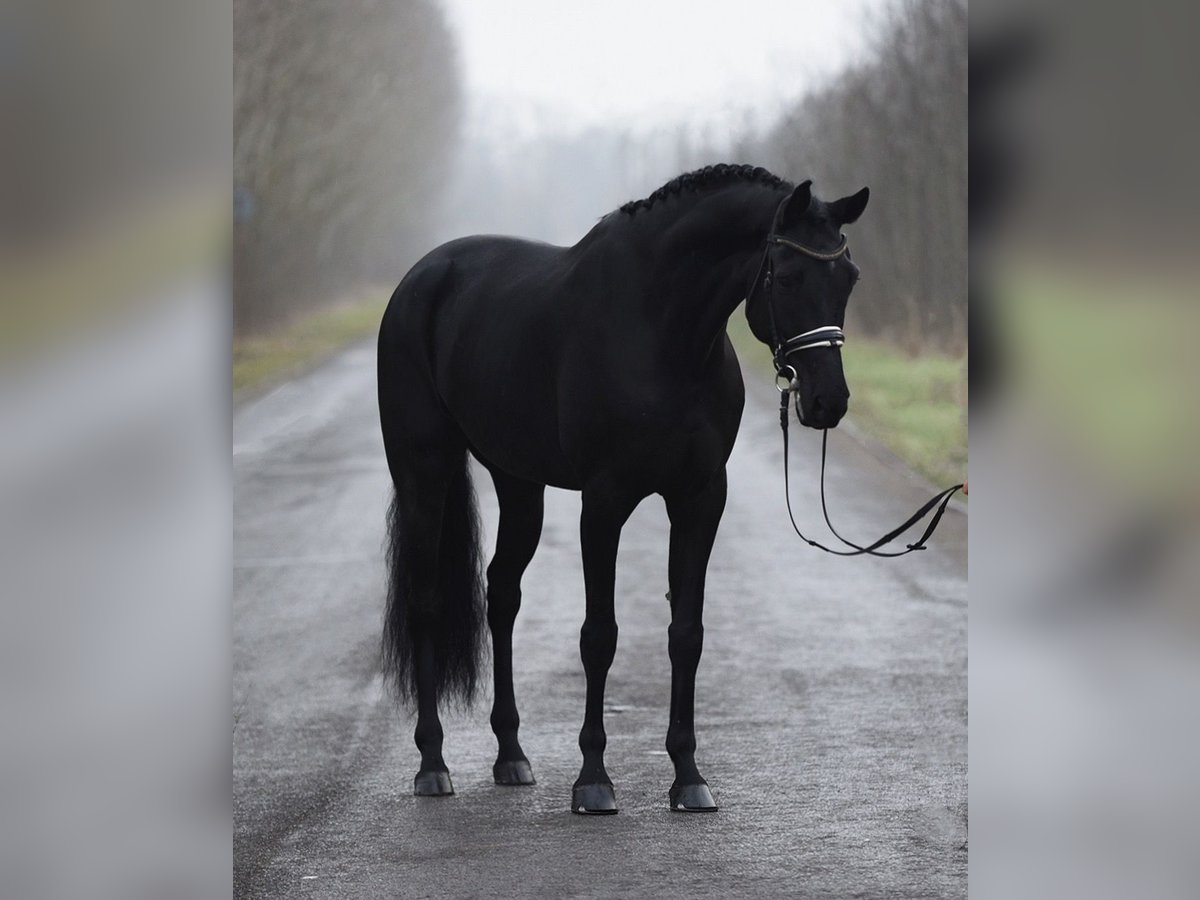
(796, 205)
(848, 209)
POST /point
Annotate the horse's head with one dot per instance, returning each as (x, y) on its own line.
(798, 307)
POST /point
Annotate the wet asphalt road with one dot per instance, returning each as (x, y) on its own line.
(831, 699)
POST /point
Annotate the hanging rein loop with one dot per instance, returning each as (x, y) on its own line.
(939, 501)
(787, 383)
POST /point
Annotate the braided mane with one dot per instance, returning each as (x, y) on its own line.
(709, 176)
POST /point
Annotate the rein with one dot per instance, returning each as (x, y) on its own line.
(940, 501)
(826, 336)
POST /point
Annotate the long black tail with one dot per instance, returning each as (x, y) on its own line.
(452, 619)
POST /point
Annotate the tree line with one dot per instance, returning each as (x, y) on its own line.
(345, 116)
(896, 122)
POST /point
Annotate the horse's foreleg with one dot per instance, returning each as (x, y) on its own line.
(694, 519)
(605, 510)
(521, 505)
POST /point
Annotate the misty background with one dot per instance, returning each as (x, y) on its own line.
(366, 133)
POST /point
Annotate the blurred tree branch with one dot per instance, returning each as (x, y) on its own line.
(344, 113)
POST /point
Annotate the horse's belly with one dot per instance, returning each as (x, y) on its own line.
(515, 433)
(535, 466)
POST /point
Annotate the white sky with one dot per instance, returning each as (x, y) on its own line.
(641, 63)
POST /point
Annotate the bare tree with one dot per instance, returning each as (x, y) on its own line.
(345, 114)
(899, 124)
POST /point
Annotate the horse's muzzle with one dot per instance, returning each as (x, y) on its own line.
(823, 411)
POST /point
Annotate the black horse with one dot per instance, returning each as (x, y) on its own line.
(603, 368)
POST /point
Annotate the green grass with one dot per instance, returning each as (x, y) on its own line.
(916, 406)
(261, 361)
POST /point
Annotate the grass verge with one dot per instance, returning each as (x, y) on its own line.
(916, 406)
(265, 360)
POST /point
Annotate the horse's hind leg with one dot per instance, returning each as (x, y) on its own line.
(516, 540)
(694, 519)
(433, 626)
(421, 493)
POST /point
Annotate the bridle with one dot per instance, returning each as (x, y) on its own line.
(822, 336)
(787, 382)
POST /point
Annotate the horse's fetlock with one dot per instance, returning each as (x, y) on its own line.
(428, 737)
(592, 739)
(681, 741)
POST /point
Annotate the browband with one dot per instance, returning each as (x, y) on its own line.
(809, 251)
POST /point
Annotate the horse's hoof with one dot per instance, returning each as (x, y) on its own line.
(692, 798)
(433, 784)
(594, 800)
(513, 772)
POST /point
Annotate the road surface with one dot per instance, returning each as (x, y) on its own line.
(831, 699)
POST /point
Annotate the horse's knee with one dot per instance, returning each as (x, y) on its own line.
(598, 642)
(685, 643)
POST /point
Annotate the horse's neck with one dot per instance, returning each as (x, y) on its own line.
(710, 254)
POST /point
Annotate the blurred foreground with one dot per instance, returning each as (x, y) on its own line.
(114, 465)
(1085, 537)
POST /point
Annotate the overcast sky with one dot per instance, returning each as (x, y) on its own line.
(568, 64)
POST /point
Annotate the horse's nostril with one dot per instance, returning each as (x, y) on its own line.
(825, 411)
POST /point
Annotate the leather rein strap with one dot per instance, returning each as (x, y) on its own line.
(939, 501)
(827, 336)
